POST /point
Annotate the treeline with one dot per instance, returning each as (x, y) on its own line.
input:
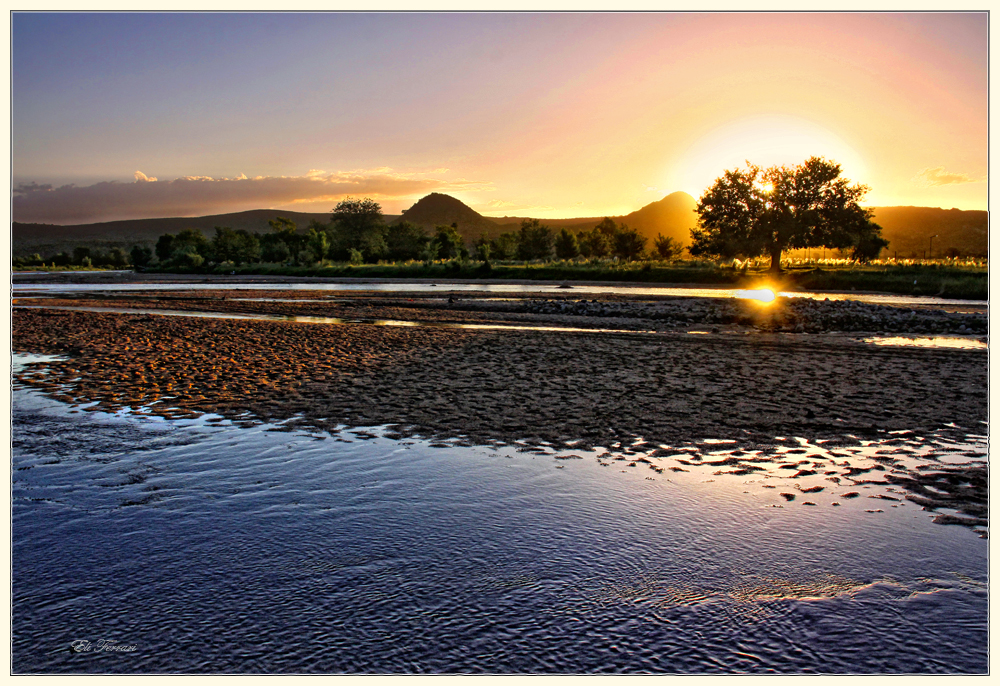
(116, 258)
(357, 234)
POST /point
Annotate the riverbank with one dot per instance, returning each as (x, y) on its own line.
(936, 279)
(734, 381)
(495, 385)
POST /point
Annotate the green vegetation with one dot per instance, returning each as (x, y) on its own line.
(358, 243)
(754, 212)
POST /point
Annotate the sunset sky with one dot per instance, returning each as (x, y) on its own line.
(120, 116)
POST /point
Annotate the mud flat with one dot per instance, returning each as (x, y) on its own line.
(748, 381)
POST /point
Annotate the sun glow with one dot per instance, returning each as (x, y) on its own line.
(765, 141)
(762, 295)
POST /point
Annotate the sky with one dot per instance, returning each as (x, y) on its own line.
(122, 116)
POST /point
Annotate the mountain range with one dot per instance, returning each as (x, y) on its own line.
(908, 229)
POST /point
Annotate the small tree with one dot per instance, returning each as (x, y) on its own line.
(607, 228)
(629, 244)
(358, 225)
(235, 246)
(566, 245)
(79, 254)
(118, 258)
(753, 212)
(593, 243)
(318, 242)
(534, 241)
(430, 251)
(194, 239)
(273, 249)
(504, 246)
(165, 247)
(187, 257)
(666, 248)
(482, 248)
(141, 256)
(405, 241)
(449, 242)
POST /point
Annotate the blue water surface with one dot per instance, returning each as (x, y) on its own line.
(206, 547)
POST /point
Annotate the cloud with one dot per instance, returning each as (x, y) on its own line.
(937, 176)
(32, 187)
(202, 195)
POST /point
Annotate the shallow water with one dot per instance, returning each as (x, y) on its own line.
(930, 342)
(319, 320)
(541, 287)
(211, 547)
(968, 343)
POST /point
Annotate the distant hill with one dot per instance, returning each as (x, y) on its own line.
(438, 209)
(52, 238)
(674, 217)
(908, 230)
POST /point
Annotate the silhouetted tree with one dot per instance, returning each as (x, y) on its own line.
(192, 238)
(629, 244)
(504, 246)
(284, 231)
(357, 225)
(235, 246)
(405, 241)
(187, 257)
(599, 241)
(140, 256)
(483, 248)
(118, 258)
(79, 254)
(753, 212)
(449, 242)
(165, 247)
(430, 251)
(566, 245)
(593, 243)
(318, 242)
(534, 241)
(666, 247)
(169, 248)
(273, 249)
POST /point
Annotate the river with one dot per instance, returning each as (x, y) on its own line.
(202, 546)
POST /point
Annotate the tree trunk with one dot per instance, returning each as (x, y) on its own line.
(775, 258)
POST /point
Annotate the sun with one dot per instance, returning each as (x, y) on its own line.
(765, 141)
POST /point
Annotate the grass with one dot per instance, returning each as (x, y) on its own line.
(951, 279)
(959, 279)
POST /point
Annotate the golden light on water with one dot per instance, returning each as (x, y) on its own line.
(763, 295)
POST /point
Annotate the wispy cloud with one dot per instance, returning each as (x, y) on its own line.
(937, 176)
(200, 195)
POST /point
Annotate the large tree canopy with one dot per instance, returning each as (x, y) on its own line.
(753, 212)
(357, 225)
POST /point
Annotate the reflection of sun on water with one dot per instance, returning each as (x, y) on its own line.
(761, 295)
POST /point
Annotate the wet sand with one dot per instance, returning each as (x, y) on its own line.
(578, 390)
(503, 385)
